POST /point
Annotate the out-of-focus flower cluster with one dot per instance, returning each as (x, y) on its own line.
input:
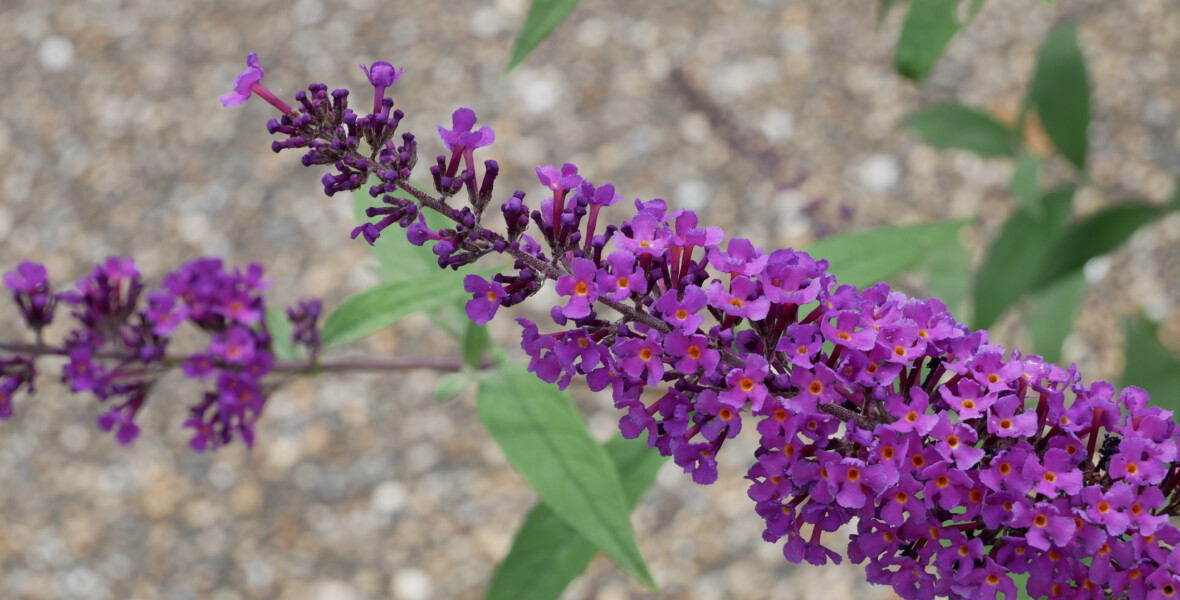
(117, 348)
(960, 464)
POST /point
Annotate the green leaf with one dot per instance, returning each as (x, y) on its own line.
(280, 335)
(1051, 319)
(866, 257)
(386, 304)
(1095, 235)
(1026, 181)
(1021, 582)
(546, 441)
(1061, 93)
(544, 16)
(928, 28)
(1150, 365)
(475, 341)
(952, 125)
(448, 386)
(547, 554)
(948, 276)
(1017, 255)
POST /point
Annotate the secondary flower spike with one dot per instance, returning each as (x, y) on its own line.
(960, 464)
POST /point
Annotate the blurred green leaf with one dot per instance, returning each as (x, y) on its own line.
(448, 386)
(866, 257)
(1017, 256)
(387, 303)
(547, 554)
(1093, 236)
(280, 328)
(1026, 181)
(1021, 582)
(1051, 318)
(1061, 93)
(1150, 365)
(929, 26)
(948, 276)
(475, 341)
(952, 125)
(546, 441)
(544, 16)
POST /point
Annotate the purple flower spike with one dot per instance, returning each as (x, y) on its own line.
(461, 135)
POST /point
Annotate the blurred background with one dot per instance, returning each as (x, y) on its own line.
(113, 142)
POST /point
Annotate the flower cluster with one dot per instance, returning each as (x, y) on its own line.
(118, 348)
(961, 464)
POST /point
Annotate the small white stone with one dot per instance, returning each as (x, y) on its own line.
(485, 22)
(56, 53)
(692, 194)
(1096, 268)
(388, 497)
(411, 584)
(538, 91)
(777, 125)
(878, 173)
(332, 590)
(222, 476)
(309, 12)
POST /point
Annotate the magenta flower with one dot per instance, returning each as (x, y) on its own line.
(683, 312)
(580, 288)
(244, 83)
(741, 300)
(486, 299)
(747, 384)
(460, 135)
(623, 279)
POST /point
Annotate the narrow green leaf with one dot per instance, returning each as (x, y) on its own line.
(1150, 365)
(546, 441)
(544, 16)
(386, 304)
(1095, 235)
(952, 125)
(866, 257)
(280, 335)
(948, 276)
(1026, 181)
(547, 554)
(475, 341)
(929, 26)
(448, 386)
(1017, 255)
(1051, 319)
(1061, 93)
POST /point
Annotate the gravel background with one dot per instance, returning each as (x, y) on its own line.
(362, 487)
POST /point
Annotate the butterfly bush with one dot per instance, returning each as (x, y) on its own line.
(117, 347)
(959, 464)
